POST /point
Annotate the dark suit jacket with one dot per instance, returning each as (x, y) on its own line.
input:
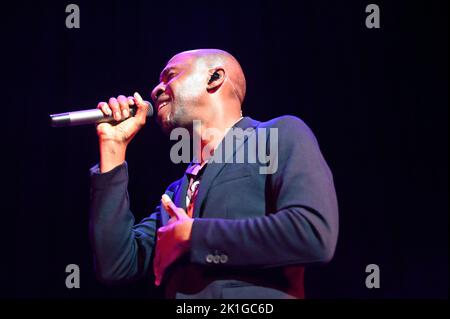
(252, 235)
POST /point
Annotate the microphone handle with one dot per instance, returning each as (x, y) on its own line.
(93, 116)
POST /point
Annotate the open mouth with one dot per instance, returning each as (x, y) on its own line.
(162, 104)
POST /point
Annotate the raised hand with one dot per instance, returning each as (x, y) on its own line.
(173, 240)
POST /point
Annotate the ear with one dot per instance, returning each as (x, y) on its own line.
(215, 79)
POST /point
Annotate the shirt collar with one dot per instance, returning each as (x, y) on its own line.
(195, 167)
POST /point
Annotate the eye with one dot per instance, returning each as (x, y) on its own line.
(170, 76)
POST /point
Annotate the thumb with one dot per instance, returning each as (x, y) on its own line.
(142, 107)
(171, 208)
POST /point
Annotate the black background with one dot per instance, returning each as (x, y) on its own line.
(377, 100)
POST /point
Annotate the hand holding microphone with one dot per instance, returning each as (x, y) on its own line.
(117, 121)
(114, 139)
(120, 110)
(96, 116)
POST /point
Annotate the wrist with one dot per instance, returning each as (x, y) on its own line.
(112, 154)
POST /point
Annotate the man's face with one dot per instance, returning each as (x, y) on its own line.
(178, 96)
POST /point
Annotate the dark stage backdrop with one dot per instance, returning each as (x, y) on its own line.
(377, 100)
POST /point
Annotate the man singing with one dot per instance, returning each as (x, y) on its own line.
(226, 229)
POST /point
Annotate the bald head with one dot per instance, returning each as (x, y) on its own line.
(215, 58)
(205, 84)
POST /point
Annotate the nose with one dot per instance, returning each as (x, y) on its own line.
(157, 91)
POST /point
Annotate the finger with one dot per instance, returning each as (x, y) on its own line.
(159, 270)
(103, 106)
(156, 270)
(142, 108)
(115, 107)
(171, 208)
(123, 102)
(138, 98)
(167, 202)
(131, 103)
(130, 100)
(159, 273)
(157, 267)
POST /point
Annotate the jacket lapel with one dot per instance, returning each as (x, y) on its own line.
(213, 169)
(179, 198)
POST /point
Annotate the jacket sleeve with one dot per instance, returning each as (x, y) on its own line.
(122, 251)
(303, 227)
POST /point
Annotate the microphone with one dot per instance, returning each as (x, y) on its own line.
(93, 116)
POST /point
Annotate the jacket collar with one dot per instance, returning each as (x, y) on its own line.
(211, 170)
